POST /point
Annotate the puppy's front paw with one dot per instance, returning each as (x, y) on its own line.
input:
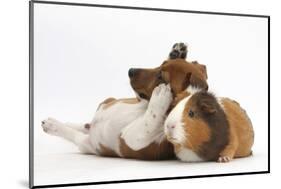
(51, 126)
(161, 98)
(224, 159)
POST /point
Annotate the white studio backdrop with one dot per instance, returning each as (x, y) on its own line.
(14, 93)
(82, 56)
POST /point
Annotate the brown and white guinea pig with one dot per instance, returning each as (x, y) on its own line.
(203, 127)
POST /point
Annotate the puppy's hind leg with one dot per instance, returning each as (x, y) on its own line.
(84, 128)
(56, 128)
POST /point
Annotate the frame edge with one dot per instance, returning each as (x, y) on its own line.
(31, 63)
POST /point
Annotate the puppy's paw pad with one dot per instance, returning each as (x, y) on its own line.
(224, 159)
(179, 50)
(50, 126)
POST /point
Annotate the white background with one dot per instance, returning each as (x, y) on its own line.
(82, 56)
(14, 103)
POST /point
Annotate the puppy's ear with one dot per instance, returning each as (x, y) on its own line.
(195, 81)
(163, 63)
(202, 68)
(165, 76)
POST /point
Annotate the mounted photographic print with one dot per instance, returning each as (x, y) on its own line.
(127, 94)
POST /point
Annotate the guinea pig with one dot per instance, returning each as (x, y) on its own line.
(203, 127)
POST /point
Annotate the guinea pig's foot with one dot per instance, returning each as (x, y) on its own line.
(224, 159)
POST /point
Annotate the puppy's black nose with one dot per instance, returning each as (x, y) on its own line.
(132, 72)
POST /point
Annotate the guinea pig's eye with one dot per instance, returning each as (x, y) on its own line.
(191, 113)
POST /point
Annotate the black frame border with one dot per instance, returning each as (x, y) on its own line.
(31, 92)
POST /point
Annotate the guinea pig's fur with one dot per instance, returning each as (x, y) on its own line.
(203, 127)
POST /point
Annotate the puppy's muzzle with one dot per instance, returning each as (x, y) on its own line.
(133, 72)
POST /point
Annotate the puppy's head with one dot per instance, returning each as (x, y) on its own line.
(181, 74)
(177, 72)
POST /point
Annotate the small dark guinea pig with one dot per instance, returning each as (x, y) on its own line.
(203, 127)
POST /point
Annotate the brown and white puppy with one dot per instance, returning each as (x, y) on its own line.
(133, 128)
(203, 127)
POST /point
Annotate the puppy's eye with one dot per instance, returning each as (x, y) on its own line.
(159, 76)
(143, 96)
(191, 113)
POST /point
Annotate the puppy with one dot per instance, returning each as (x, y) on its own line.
(203, 127)
(133, 128)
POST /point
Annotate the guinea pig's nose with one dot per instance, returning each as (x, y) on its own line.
(169, 130)
(170, 127)
(132, 72)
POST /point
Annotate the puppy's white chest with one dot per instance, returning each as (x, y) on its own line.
(108, 123)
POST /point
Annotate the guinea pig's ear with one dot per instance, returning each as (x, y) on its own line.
(195, 81)
(207, 107)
